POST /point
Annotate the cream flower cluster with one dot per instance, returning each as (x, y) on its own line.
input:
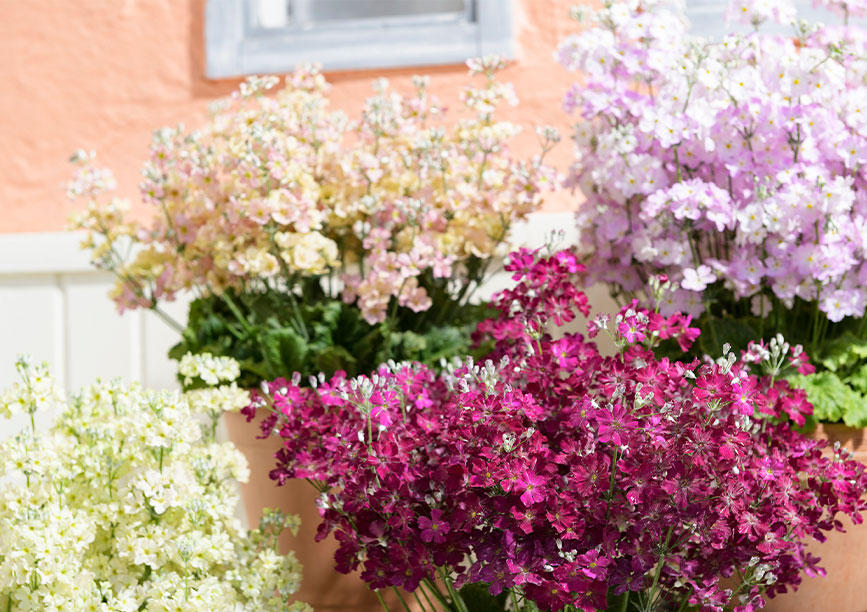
(35, 389)
(277, 188)
(211, 369)
(127, 503)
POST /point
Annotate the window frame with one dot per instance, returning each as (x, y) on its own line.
(233, 49)
(713, 12)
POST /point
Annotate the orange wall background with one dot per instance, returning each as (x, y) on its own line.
(104, 74)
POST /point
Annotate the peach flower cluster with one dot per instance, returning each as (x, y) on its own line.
(277, 188)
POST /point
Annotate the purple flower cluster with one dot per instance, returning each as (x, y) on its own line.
(563, 475)
(739, 164)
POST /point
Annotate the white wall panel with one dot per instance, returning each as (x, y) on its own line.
(31, 322)
(157, 338)
(101, 343)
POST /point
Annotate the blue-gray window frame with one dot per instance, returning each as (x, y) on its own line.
(232, 48)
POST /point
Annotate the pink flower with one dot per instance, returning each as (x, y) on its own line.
(565, 471)
(433, 529)
(533, 488)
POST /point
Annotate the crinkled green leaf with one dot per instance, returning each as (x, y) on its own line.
(858, 378)
(284, 351)
(833, 400)
(478, 598)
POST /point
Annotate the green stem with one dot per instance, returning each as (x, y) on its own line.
(165, 318)
(214, 420)
(434, 589)
(685, 602)
(815, 335)
(400, 598)
(453, 595)
(658, 571)
(227, 299)
(395, 299)
(419, 602)
(381, 601)
(423, 590)
(624, 605)
(300, 327)
(290, 286)
(712, 326)
(611, 483)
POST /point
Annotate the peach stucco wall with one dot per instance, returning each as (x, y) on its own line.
(103, 74)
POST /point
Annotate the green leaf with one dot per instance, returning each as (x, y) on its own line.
(445, 342)
(738, 332)
(478, 598)
(843, 352)
(833, 400)
(284, 352)
(325, 320)
(333, 358)
(858, 379)
(408, 345)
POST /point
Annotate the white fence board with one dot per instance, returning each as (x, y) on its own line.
(101, 343)
(31, 321)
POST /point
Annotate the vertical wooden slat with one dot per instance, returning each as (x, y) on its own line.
(31, 322)
(61, 335)
(102, 343)
(158, 338)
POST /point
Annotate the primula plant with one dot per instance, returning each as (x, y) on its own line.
(316, 243)
(127, 503)
(737, 168)
(554, 478)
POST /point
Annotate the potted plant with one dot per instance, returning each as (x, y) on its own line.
(554, 478)
(735, 167)
(313, 243)
(128, 503)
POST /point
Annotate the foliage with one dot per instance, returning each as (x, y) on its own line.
(563, 479)
(268, 342)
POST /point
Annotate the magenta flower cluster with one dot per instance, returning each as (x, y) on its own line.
(739, 163)
(566, 476)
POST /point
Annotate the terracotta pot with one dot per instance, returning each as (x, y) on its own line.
(844, 588)
(322, 586)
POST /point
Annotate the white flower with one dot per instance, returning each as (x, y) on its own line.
(696, 279)
(126, 480)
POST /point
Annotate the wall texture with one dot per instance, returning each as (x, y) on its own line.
(103, 75)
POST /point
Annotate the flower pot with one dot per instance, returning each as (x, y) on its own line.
(844, 588)
(322, 586)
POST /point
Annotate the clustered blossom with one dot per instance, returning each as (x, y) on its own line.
(211, 370)
(736, 166)
(565, 476)
(277, 188)
(35, 390)
(127, 503)
(844, 8)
